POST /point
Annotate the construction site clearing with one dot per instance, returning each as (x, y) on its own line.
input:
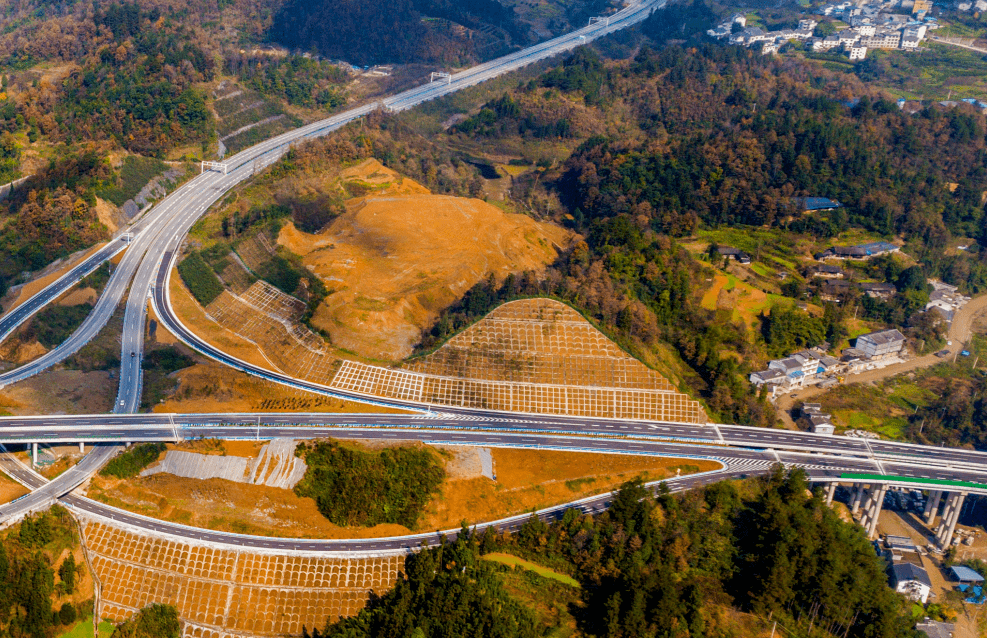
(399, 255)
(391, 260)
(247, 489)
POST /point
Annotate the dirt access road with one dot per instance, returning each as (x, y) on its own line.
(959, 333)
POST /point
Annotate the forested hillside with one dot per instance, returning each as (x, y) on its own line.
(45, 587)
(681, 141)
(52, 216)
(364, 32)
(93, 94)
(678, 566)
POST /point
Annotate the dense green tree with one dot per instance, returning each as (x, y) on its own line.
(352, 487)
(66, 573)
(153, 621)
(788, 329)
(447, 592)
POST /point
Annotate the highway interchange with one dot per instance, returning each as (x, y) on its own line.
(149, 261)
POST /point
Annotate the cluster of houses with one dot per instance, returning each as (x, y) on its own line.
(835, 290)
(946, 299)
(814, 367)
(729, 252)
(908, 576)
(749, 36)
(872, 26)
(835, 285)
(979, 5)
(860, 252)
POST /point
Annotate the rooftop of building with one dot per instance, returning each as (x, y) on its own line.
(907, 571)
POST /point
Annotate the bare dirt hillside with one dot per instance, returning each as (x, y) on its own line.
(400, 255)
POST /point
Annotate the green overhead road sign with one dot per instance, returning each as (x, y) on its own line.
(884, 478)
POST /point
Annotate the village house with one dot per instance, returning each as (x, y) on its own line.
(883, 291)
(912, 581)
(882, 344)
(834, 290)
(827, 271)
(857, 52)
(734, 253)
(945, 299)
(861, 252)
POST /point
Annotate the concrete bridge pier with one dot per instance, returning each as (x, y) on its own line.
(876, 510)
(950, 516)
(932, 506)
(34, 455)
(872, 509)
(830, 492)
(857, 494)
(866, 497)
(82, 447)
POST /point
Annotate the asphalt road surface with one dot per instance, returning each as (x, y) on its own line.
(738, 462)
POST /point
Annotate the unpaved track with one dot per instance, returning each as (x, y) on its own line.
(959, 333)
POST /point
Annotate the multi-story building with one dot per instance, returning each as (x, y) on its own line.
(882, 40)
(882, 344)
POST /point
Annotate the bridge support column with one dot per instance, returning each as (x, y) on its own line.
(82, 447)
(875, 513)
(34, 455)
(830, 493)
(932, 506)
(858, 493)
(950, 516)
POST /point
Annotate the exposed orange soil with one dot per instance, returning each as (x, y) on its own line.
(224, 505)
(32, 288)
(116, 259)
(246, 449)
(218, 447)
(712, 294)
(526, 479)
(21, 352)
(78, 296)
(195, 319)
(10, 489)
(397, 258)
(535, 479)
(108, 214)
(61, 391)
(382, 179)
(212, 387)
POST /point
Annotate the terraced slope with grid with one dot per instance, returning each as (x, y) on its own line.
(539, 341)
(269, 318)
(255, 251)
(537, 356)
(221, 593)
